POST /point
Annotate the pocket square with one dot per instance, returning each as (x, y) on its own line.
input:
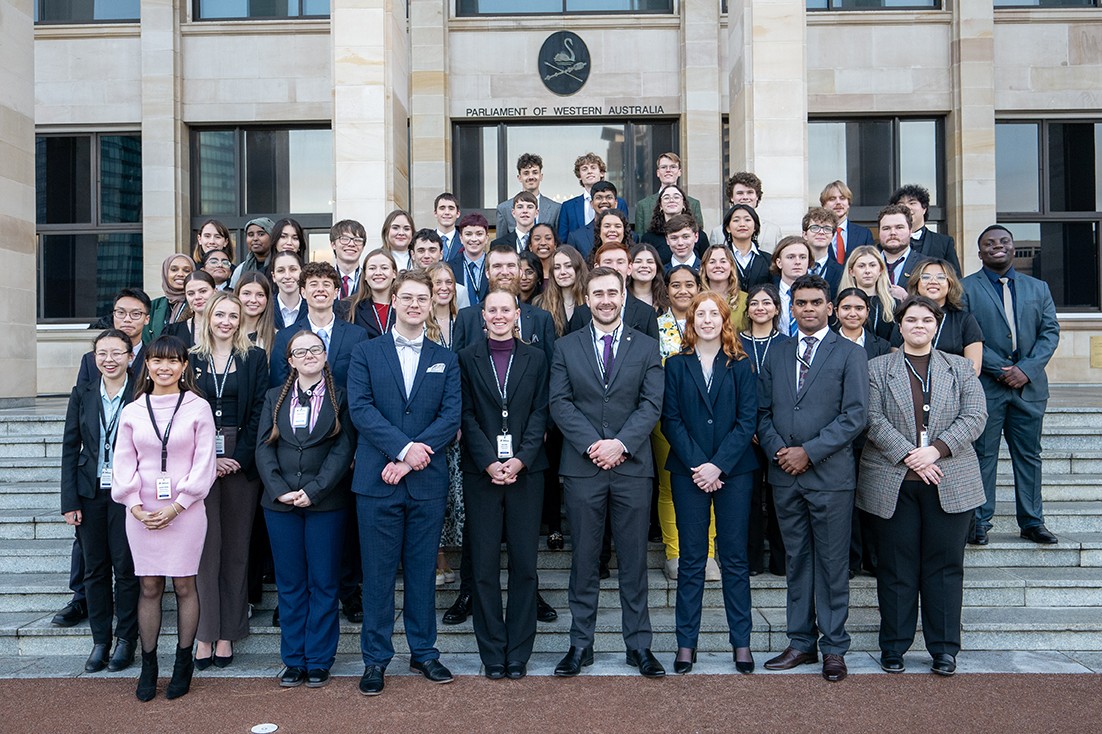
(438, 367)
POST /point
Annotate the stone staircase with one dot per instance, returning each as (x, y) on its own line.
(1017, 596)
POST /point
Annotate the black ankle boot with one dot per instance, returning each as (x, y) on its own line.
(147, 681)
(181, 673)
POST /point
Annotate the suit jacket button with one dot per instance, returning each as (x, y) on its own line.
(606, 400)
(709, 421)
(298, 474)
(408, 412)
(796, 408)
(604, 423)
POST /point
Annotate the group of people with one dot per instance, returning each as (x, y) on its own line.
(836, 402)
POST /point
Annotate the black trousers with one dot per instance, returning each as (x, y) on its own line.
(763, 527)
(106, 553)
(515, 510)
(921, 553)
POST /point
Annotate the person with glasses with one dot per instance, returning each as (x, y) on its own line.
(218, 265)
(405, 402)
(668, 171)
(819, 225)
(304, 449)
(958, 332)
(347, 237)
(669, 211)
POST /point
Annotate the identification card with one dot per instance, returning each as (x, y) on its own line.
(164, 487)
(505, 446)
(300, 417)
(923, 439)
(105, 478)
(219, 444)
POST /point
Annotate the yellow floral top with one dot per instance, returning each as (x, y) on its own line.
(669, 335)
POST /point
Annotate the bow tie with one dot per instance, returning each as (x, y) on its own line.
(415, 345)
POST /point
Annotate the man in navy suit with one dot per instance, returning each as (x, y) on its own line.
(603, 197)
(469, 264)
(530, 176)
(578, 212)
(819, 226)
(405, 401)
(445, 209)
(923, 239)
(319, 285)
(1021, 333)
(837, 197)
(525, 207)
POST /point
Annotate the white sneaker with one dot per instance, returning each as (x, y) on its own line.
(711, 570)
(440, 580)
(671, 569)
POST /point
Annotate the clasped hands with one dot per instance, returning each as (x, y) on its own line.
(921, 461)
(706, 477)
(156, 520)
(608, 453)
(297, 498)
(1013, 377)
(505, 472)
(793, 460)
(227, 466)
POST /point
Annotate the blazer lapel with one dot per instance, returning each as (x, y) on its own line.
(422, 367)
(590, 354)
(899, 385)
(697, 371)
(91, 414)
(996, 298)
(940, 377)
(822, 353)
(390, 353)
(485, 367)
(621, 353)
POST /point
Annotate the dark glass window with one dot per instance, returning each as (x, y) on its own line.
(1048, 193)
(873, 4)
(485, 156)
(551, 7)
(258, 9)
(1046, 3)
(89, 216)
(86, 11)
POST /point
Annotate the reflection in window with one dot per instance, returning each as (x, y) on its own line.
(548, 7)
(222, 9)
(873, 4)
(63, 173)
(1045, 3)
(1066, 256)
(1017, 163)
(120, 170)
(85, 11)
(79, 274)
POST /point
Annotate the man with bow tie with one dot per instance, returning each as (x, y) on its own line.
(404, 399)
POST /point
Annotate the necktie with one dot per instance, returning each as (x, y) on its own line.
(344, 286)
(891, 271)
(445, 243)
(324, 334)
(839, 247)
(522, 242)
(815, 269)
(609, 358)
(805, 360)
(791, 316)
(1008, 309)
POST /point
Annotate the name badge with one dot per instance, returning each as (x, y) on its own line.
(505, 446)
(300, 417)
(164, 487)
(105, 478)
(923, 439)
(219, 444)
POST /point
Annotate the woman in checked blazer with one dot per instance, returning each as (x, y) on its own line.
(920, 478)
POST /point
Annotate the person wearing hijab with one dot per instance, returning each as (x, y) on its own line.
(169, 308)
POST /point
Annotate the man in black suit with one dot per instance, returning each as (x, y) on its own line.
(813, 400)
(819, 225)
(606, 396)
(894, 228)
(469, 264)
(837, 197)
(604, 198)
(924, 240)
(525, 207)
(636, 314)
(445, 209)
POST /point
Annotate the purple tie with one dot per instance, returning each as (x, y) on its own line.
(608, 357)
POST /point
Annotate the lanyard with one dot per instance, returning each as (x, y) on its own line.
(383, 328)
(937, 336)
(168, 428)
(446, 341)
(476, 282)
(760, 361)
(109, 428)
(503, 389)
(925, 389)
(219, 388)
(710, 375)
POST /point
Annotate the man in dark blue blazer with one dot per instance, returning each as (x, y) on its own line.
(319, 285)
(589, 169)
(469, 264)
(603, 198)
(1021, 333)
(813, 401)
(819, 226)
(405, 401)
(896, 245)
(837, 197)
(924, 240)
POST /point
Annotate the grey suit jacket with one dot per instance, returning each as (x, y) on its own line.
(958, 412)
(1038, 331)
(549, 214)
(586, 411)
(824, 418)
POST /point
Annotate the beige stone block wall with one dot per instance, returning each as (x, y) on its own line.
(1072, 362)
(88, 80)
(1047, 61)
(59, 351)
(702, 157)
(430, 134)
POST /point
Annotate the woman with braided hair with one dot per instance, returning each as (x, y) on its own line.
(306, 444)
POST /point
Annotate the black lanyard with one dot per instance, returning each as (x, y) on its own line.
(707, 377)
(219, 388)
(925, 388)
(109, 428)
(503, 389)
(168, 428)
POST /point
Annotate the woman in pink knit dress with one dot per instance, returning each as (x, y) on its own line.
(164, 467)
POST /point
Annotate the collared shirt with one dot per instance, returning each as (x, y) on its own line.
(599, 343)
(289, 315)
(111, 408)
(693, 261)
(786, 308)
(473, 274)
(448, 240)
(800, 346)
(353, 279)
(895, 267)
(324, 332)
(314, 400)
(408, 360)
(1010, 275)
(745, 260)
(134, 349)
(587, 200)
(859, 341)
(819, 266)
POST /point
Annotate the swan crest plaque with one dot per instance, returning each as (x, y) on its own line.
(564, 63)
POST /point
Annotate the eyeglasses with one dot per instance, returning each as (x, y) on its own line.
(115, 355)
(317, 350)
(406, 300)
(122, 313)
(820, 229)
(345, 239)
(218, 261)
(672, 197)
(939, 277)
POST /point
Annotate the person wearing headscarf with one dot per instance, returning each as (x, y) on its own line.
(258, 241)
(169, 308)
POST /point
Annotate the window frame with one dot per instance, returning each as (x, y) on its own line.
(834, 7)
(38, 10)
(197, 17)
(459, 12)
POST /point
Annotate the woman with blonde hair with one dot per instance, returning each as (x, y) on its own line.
(865, 269)
(254, 290)
(719, 274)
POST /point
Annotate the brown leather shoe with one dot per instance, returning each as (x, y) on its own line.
(791, 658)
(834, 668)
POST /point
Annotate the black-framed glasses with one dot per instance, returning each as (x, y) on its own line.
(317, 350)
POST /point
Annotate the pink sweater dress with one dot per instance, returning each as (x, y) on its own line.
(175, 549)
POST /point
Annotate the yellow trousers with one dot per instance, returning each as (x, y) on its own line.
(667, 518)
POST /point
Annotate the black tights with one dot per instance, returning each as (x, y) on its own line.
(149, 610)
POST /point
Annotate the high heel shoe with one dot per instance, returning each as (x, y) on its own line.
(147, 680)
(182, 671)
(219, 661)
(743, 667)
(681, 667)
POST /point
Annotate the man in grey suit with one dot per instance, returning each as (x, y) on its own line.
(1015, 352)
(606, 397)
(530, 176)
(813, 401)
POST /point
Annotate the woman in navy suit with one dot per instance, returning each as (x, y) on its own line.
(505, 388)
(709, 415)
(306, 446)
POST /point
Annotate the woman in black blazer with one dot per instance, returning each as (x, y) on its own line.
(709, 416)
(306, 447)
(369, 306)
(91, 423)
(233, 375)
(501, 374)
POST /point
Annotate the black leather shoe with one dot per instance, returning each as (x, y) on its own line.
(834, 667)
(123, 657)
(648, 664)
(516, 669)
(1039, 534)
(97, 661)
(573, 661)
(372, 681)
(944, 664)
(72, 613)
(292, 677)
(353, 609)
(434, 670)
(979, 536)
(317, 678)
(681, 667)
(544, 611)
(555, 541)
(495, 671)
(791, 658)
(459, 611)
(605, 572)
(892, 663)
(275, 617)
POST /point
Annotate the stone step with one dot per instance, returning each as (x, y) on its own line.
(1060, 517)
(28, 423)
(1056, 487)
(29, 446)
(1076, 462)
(46, 469)
(1009, 550)
(24, 495)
